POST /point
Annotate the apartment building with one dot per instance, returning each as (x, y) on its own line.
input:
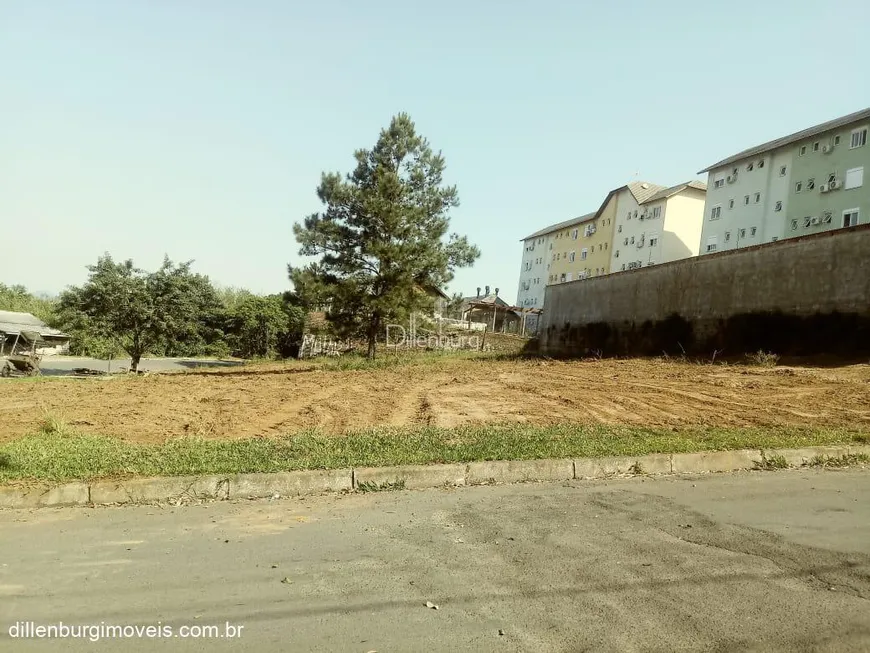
(555, 254)
(533, 272)
(655, 224)
(804, 183)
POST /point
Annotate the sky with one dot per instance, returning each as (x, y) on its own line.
(199, 129)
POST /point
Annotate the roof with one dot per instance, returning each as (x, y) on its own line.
(673, 190)
(643, 190)
(486, 299)
(560, 225)
(13, 323)
(792, 138)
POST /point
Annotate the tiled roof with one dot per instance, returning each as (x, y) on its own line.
(792, 138)
(643, 190)
(486, 299)
(13, 323)
(673, 190)
(560, 225)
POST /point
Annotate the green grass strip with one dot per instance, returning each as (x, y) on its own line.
(58, 453)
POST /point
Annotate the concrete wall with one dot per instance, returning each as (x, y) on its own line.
(806, 295)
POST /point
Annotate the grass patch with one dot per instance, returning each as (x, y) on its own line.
(770, 463)
(846, 460)
(861, 438)
(387, 486)
(59, 453)
(762, 359)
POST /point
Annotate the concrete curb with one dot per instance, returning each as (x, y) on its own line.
(251, 486)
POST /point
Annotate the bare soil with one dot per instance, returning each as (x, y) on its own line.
(274, 400)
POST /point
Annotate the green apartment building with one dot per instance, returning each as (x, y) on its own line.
(801, 184)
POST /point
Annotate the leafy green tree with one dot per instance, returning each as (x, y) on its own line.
(382, 237)
(263, 326)
(18, 299)
(138, 310)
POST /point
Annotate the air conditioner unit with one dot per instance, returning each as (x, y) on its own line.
(815, 221)
(834, 184)
(827, 149)
(826, 217)
(824, 188)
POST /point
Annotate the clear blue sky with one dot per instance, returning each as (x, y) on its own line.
(200, 128)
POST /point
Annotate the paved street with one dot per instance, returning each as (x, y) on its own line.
(750, 561)
(63, 365)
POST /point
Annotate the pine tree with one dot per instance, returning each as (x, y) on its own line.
(382, 237)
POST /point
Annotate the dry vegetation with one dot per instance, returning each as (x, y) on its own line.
(280, 399)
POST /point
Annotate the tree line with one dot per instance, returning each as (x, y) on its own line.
(381, 246)
(171, 311)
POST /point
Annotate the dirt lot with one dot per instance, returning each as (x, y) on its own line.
(276, 399)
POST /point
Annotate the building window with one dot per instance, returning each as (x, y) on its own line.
(730, 204)
(761, 163)
(811, 183)
(653, 240)
(774, 239)
(750, 167)
(657, 212)
(816, 146)
(850, 217)
(743, 233)
(715, 213)
(753, 231)
(803, 150)
(798, 187)
(632, 240)
(854, 178)
(727, 236)
(635, 213)
(837, 139)
(757, 197)
(583, 253)
(571, 257)
(569, 276)
(574, 234)
(617, 253)
(783, 170)
(794, 225)
(746, 200)
(605, 246)
(623, 267)
(718, 183)
(712, 244)
(619, 230)
(859, 138)
(778, 206)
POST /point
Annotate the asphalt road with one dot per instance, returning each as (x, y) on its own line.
(64, 365)
(746, 562)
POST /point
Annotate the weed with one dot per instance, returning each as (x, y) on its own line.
(762, 358)
(769, 463)
(636, 468)
(862, 438)
(386, 486)
(846, 460)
